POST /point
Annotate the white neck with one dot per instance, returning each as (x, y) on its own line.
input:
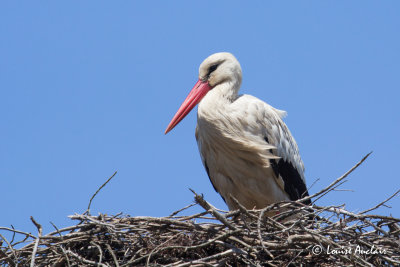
(219, 98)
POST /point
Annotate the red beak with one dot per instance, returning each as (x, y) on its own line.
(199, 90)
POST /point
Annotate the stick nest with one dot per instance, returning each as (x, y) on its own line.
(297, 234)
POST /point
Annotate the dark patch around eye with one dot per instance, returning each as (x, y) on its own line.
(212, 68)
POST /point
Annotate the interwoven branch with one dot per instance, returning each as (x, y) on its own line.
(297, 234)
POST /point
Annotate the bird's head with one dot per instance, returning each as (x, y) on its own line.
(220, 70)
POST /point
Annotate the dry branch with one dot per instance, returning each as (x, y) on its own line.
(298, 234)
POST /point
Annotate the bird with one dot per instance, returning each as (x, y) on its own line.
(247, 150)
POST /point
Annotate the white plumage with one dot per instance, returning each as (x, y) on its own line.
(246, 148)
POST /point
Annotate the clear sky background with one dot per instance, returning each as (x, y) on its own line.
(88, 87)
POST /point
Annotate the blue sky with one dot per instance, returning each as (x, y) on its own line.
(88, 88)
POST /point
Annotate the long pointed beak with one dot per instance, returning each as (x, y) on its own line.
(199, 90)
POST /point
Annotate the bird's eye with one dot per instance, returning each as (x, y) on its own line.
(212, 68)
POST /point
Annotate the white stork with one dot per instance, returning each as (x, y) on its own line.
(246, 148)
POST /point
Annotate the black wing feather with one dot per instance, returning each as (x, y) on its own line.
(294, 185)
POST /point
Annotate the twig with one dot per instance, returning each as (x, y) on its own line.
(58, 231)
(10, 261)
(156, 248)
(182, 209)
(13, 236)
(17, 231)
(100, 251)
(109, 248)
(381, 203)
(65, 255)
(207, 206)
(203, 260)
(85, 260)
(39, 227)
(308, 188)
(259, 234)
(336, 181)
(98, 190)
